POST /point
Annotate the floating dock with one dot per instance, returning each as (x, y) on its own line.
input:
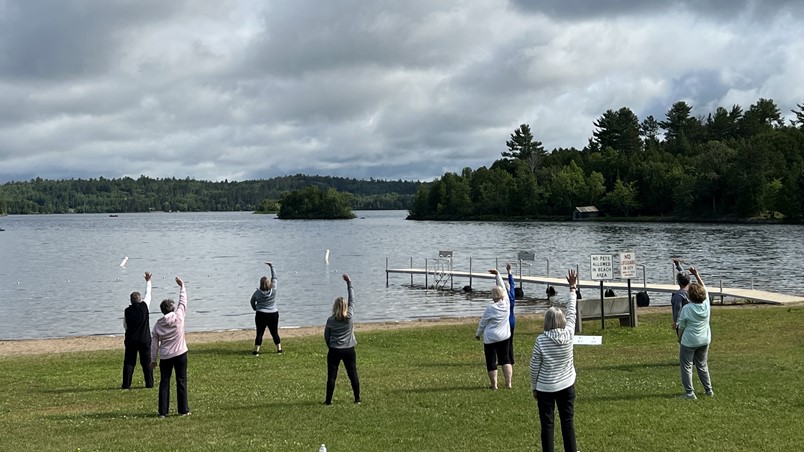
(715, 290)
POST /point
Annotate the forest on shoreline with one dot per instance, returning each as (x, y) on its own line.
(145, 194)
(730, 165)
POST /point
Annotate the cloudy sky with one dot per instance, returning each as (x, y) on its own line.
(241, 89)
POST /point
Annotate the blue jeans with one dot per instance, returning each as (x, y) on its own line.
(565, 400)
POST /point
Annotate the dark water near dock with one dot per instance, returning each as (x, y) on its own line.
(60, 274)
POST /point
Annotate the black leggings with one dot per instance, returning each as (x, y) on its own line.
(166, 367)
(349, 358)
(497, 351)
(271, 320)
(130, 361)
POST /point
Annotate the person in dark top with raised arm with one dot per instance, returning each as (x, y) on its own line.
(263, 302)
(137, 327)
(679, 298)
(340, 338)
(511, 317)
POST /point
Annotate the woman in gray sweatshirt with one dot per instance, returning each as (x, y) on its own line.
(267, 314)
(340, 338)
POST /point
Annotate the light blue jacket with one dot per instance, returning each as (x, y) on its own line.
(693, 323)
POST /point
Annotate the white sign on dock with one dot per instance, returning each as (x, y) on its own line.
(628, 265)
(602, 267)
(587, 340)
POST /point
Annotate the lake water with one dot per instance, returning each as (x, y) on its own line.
(60, 274)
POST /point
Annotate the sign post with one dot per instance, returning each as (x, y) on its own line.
(627, 271)
(602, 268)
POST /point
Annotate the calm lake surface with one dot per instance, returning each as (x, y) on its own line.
(60, 275)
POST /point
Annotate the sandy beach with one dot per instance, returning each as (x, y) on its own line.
(92, 343)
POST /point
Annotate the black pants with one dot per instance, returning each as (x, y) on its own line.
(130, 362)
(166, 367)
(497, 351)
(271, 320)
(349, 358)
(547, 401)
(511, 347)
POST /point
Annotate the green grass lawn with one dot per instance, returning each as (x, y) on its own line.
(424, 389)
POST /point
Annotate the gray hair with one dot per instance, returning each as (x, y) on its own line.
(167, 306)
(554, 319)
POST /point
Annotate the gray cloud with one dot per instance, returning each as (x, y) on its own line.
(242, 89)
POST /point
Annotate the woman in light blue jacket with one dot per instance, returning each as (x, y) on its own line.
(695, 336)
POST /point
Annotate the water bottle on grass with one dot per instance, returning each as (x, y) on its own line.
(323, 448)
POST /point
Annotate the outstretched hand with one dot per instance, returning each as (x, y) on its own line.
(269, 264)
(147, 276)
(347, 278)
(508, 267)
(493, 271)
(572, 277)
(693, 271)
(179, 281)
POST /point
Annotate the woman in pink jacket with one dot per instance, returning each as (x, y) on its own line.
(167, 342)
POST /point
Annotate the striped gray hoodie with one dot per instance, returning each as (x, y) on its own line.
(552, 366)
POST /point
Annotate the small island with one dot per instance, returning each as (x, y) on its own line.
(312, 203)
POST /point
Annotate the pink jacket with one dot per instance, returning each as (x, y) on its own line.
(167, 338)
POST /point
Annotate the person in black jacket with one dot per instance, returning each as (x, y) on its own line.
(137, 325)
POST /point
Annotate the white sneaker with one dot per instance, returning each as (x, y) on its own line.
(689, 396)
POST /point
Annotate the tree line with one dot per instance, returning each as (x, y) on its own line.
(145, 194)
(729, 164)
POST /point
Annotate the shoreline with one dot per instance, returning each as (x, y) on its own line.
(20, 347)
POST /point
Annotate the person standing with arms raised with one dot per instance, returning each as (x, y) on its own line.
(137, 327)
(695, 336)
(495, 329)
(340, 338)
(263, 302)
(552, 371)
(168, 344)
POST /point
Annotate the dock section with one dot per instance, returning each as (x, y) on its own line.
(715, 291)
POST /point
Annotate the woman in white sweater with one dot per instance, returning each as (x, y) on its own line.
(495, 329)
(552, 371)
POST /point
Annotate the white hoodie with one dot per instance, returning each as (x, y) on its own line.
(494, 325)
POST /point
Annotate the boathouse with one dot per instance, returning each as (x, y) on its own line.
(582, 213)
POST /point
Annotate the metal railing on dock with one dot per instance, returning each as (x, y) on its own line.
(754, 295)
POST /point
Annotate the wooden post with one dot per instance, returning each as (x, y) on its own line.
(426, 283)
(470, 273)
(411, 273)
(386, 272)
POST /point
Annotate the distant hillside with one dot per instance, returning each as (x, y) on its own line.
(145, 194)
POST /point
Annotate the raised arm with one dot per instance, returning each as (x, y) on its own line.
(273, 275)
(572, 279)
(499, 281)
(694, 272)
(181, 310)
(351, 292)
(511, 284)
(147, 298)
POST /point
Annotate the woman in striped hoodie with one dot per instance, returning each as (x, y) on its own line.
(552, 371)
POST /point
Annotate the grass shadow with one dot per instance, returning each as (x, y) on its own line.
(102, 416)
(80, 390)
(443, 389)
(632, 397)
(633, 367)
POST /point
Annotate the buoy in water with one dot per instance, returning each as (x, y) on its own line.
(125, 260)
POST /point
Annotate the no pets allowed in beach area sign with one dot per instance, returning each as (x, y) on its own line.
(602, 267)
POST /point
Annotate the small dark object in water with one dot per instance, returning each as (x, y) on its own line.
(113, 215)
(519, 293)
(467, 288)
